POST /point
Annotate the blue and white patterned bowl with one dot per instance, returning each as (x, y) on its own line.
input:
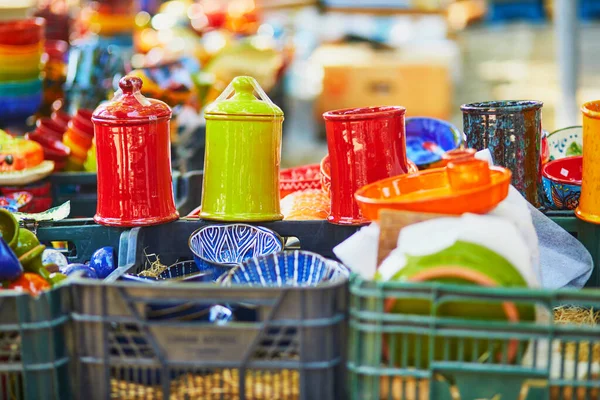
(566, 142)
(288, 268)
(217, 248)
(420, 130)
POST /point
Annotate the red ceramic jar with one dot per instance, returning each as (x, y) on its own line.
(365, 145)
(134, 159)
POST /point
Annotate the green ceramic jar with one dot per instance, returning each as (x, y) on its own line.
(243, 154)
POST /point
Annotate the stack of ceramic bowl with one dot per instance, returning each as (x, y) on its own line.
(112, 18)
(21, 47)
(49, 133)
(78, 138)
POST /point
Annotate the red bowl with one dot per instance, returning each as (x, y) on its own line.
(300, 178)
(83, 121)
(22, 32)
(52, 147)
(62, 118)
(568, 170)
(49, 128)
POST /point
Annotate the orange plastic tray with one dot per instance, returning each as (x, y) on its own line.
(431, 192)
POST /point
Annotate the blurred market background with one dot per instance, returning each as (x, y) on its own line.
(310, 56)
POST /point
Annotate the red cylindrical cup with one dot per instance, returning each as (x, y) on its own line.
(365, 145)
(134, 159)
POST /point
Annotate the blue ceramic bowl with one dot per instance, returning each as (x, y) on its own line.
(561, 180)
(217, 248)
(103, 261)
(288, 268)
(19, 107)
(420, 130)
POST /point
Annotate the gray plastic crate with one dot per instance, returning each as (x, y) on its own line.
(34, 359)
(294, 351)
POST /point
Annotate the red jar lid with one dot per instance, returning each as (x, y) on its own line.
(130, 106)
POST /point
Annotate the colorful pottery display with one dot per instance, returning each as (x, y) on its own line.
(310, 205)
(298, 179)
(243, 152)
(21, 47)
(561, 180)
(365, 145)
(288, 268)
(464, 186)
(512, 131)
(589, 201)
(134, 159)
(78, 138)
(566, 142)
(427, 139)
(49, 134)
(217, 248)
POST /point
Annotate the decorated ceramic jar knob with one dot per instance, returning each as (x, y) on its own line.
(243, 152)
(133, 159)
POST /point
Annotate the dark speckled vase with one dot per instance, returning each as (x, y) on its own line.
(512, 131)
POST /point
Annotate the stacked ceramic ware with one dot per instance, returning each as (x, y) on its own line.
(78, 138)
(21, 48)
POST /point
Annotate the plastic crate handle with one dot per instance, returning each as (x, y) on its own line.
(455, 271)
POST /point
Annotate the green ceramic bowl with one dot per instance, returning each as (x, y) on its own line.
(471, 257)
(9, 227)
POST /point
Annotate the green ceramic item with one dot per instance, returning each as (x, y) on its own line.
(32, 261)
(468, 256)
(243, 153)
(9, 227)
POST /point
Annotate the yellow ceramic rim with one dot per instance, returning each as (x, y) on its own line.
(591, 109)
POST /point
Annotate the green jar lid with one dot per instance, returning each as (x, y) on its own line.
(239, 99)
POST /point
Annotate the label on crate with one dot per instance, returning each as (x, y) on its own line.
(209, 344)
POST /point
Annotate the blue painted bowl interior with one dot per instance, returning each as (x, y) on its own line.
(296, 268)
(420, 130)
(220, 247)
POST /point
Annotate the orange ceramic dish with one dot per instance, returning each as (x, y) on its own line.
(311, 204)
(463, 187)
(19, 154)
